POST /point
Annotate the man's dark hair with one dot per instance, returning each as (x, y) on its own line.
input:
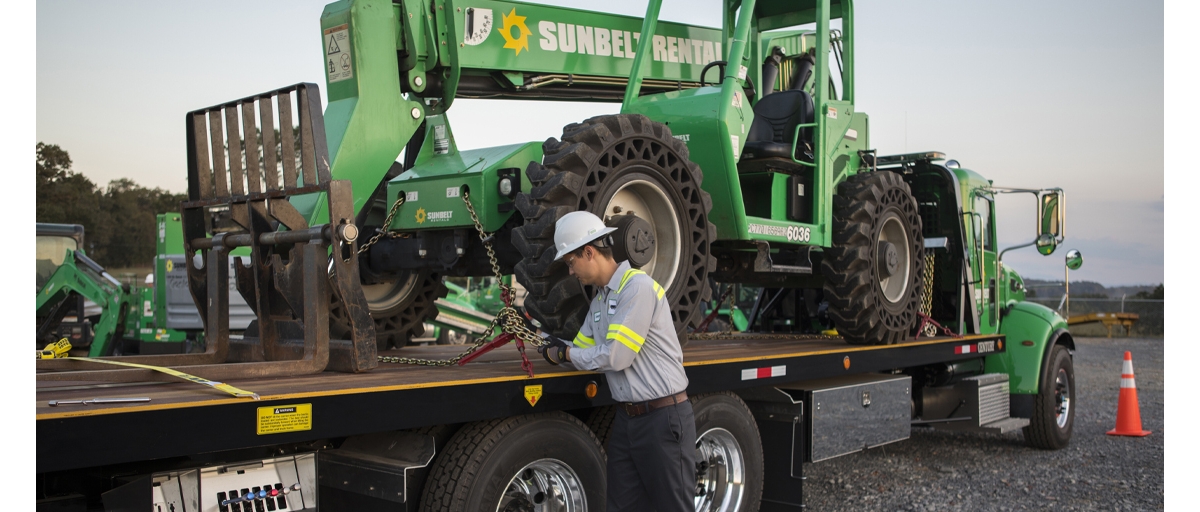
(599, 245)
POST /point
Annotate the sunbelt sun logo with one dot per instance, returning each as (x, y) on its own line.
(515, 24)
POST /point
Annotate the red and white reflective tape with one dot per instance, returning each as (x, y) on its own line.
(764, 373)
(965, 349)
(1127, 374)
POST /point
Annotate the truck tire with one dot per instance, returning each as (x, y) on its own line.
(399, 308)
(729, 454)
(609, 165)
(518, 463)
(873, 270)
(1053, 412)
(600, 422)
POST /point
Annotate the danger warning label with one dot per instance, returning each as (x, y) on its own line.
(339, 65)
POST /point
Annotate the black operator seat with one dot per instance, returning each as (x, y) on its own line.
(769, 143)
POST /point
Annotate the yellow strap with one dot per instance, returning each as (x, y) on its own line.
(175, 373)
(618, 328)
(582, 341)
(55, 350)
(661, 291)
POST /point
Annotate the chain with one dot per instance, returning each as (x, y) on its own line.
(386, 224)
(729, 297)
(508, 319)
(927, 296)
(512, 322)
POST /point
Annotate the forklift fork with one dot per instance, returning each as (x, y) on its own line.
(292, 266)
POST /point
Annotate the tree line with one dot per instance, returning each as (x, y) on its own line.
(118, 220)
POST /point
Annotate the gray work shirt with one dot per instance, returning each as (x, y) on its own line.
(628, 335)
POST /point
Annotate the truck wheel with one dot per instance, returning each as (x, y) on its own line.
(616, 165)
(1053, 411)
(729, 458)
(873, 271)
(399, 308)
(538, 462)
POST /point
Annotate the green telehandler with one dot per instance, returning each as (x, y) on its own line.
(738, 156)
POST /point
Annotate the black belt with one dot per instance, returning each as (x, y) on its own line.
(639, 408)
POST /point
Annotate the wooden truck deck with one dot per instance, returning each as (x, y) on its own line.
(200, 419)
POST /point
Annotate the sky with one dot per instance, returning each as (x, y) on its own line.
(1067, 94)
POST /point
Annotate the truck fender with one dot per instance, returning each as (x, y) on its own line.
(1031, 330)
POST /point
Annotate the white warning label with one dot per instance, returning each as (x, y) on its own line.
(339, 65)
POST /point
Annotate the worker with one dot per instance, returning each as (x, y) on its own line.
(628, 334)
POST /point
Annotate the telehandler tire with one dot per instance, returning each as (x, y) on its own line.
(399, 308)
(874, 269)
(616, 165)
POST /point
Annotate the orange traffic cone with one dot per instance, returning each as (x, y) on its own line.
(1129, 419)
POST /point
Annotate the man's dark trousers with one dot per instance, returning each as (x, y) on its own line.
(652, 461)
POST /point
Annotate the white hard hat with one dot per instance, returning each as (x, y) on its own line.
(576, 229)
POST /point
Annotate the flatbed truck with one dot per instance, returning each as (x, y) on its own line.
(348, 246)
(393, 438)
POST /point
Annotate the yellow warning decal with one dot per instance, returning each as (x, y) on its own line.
(533, 394)
(170, 266)
(284, 418)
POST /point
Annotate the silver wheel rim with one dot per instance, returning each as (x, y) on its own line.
(720, 482)
(1062, 397)
(386, 296)
(544, 485)
(895, 285)
(647, 201)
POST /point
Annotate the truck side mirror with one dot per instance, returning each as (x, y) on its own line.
(1074, 259)
(1050, 222)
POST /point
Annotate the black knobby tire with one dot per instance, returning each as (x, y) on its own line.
(398, 308)
(595, 160)
(720, 418)
(1057, 384)
(868, 305)
(476, 467)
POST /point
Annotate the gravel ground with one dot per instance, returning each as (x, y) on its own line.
(939, 470)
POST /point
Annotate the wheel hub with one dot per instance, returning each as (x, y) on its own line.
(1062, 398)
(889, 261)
(634, 240)
(893, 259)
(660, 230)
(720, 472)
(544, 485)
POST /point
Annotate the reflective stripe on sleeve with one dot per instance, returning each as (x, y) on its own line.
(582, 341)
(617, 336)
(621, 329)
